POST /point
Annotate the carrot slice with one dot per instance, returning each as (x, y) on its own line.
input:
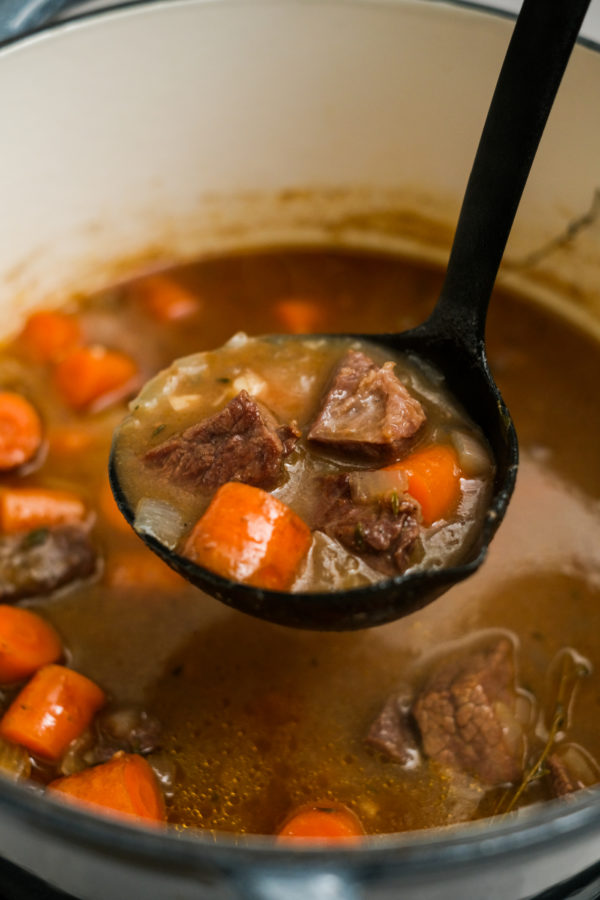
(53, 709)
(140, 568)
(89, 375)
(164, 299)
(125, 784)
(49, 334)
(299, 315)
(327, 823)
(27, 642)
(433, 480)
(26, 508)
(20, 430)
(67, 440)
(248, 535)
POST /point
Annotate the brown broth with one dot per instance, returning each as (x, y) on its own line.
(258, 718)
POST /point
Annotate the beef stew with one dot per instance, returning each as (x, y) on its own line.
(245, 726)
(360, 451)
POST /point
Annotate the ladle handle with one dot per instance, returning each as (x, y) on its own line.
(535, 61)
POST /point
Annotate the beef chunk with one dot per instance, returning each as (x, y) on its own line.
(43, 560)
(466, 714)
(571, 768)
(367, 410)
(562, 781)
(383, 533)
(393, 732)
(126, 729)
(242, 442)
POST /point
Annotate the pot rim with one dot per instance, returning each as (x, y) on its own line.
(551, 823)
(110, 9)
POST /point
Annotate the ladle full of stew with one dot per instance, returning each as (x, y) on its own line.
(340, 482)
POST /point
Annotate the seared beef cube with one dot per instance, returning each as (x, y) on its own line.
(393, 732)
(467, 715)
(571, 768)
(383, 532)
(43, 560)
(242, 442)
(367, 410)
(561, 780)
(125, 729)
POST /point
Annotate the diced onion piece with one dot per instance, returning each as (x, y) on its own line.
(251, 382)
(159, 520)
(74, 760)
(473, 458)
(239, 339)
(183, 401)
(327, 562)
(369, 485)
(14, 760)
(191, 366)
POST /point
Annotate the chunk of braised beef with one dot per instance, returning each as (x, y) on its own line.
(467, 715)
(125, 729)
(367, 410)
(39, 562)
(242, 442)
(383, 533)
(571, 768)
(562, 781)
(393, 732)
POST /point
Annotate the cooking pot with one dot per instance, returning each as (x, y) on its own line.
(159, 132)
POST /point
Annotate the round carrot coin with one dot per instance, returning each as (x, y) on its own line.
(20, 430)
(322, 822)
(27, 642)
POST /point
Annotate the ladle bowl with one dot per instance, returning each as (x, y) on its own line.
(467, 377)
(452, 339)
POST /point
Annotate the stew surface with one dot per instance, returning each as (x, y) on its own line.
(245, 722)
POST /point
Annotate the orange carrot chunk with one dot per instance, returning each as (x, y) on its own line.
(433, 480)
(248, 535)
(68, 440)
(48, 335)
(299, 315)
(88, 376)
(140, 568)
(125, 784)
(27, 642)
(327, 823)
(53, 709)
(164, 299)
(20, 430)
(26, 508)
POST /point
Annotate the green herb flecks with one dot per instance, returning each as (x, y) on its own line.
(359, 536)
(35, 538)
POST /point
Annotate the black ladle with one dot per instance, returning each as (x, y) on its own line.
(453, 336)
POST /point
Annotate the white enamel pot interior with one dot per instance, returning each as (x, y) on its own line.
(169, 130)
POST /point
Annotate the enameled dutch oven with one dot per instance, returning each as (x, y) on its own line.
(171, 129)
